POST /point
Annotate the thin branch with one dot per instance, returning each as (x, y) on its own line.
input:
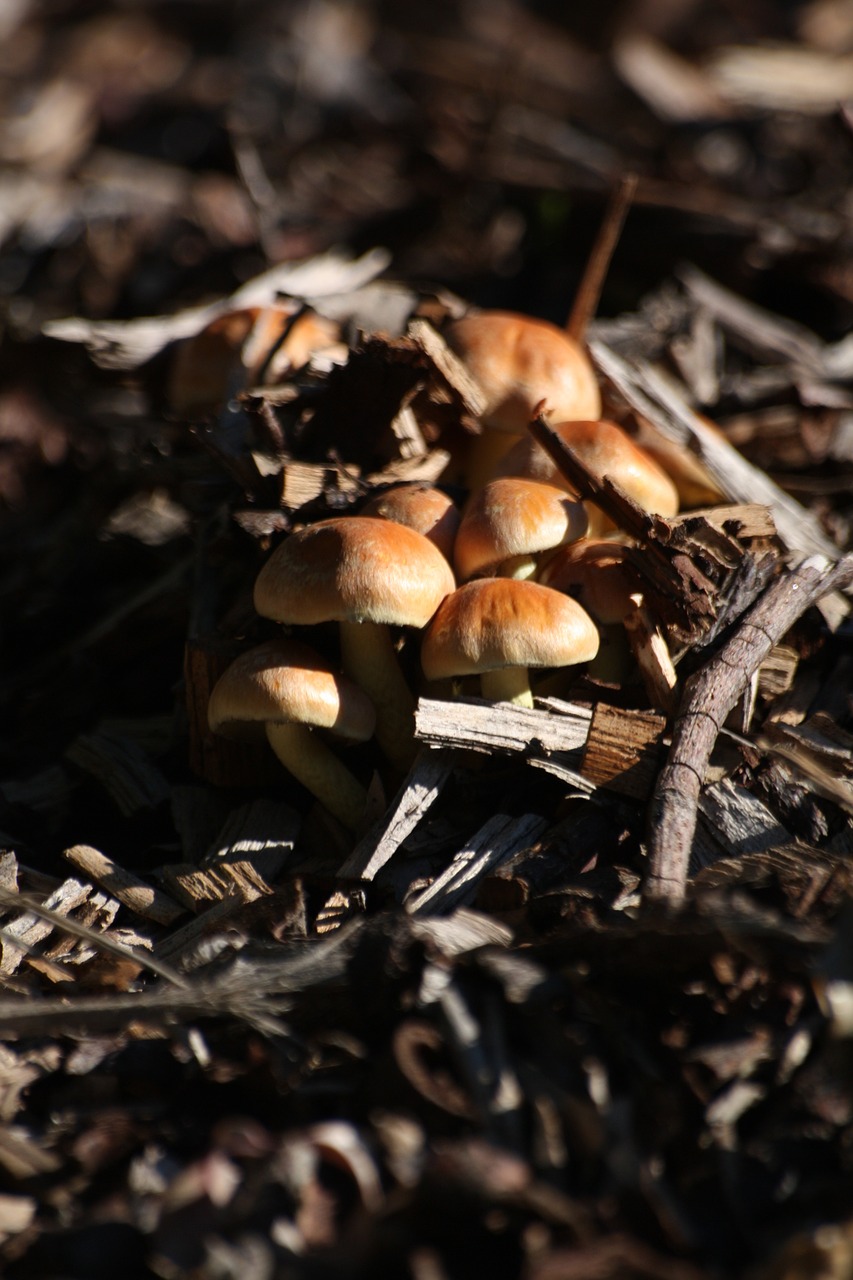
(708, 697)
(598, 263)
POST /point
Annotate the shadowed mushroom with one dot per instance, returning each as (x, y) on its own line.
(599, 577)
(518, 361)
(498, 628)
(607, 450)
(239, 347)
(285, 689)
(510, 524)
(421, 507)
(366, 574)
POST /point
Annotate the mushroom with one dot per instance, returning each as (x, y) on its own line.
(599, 576)
(607, 450)
(285, 688)
(518, 362)
(233, 350)
(498, 628)
(366, 574)
(422, 507)
(510, 523)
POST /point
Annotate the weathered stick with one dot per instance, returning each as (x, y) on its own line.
(708, 697)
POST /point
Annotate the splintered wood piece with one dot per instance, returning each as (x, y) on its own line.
(31, 929)
(426, 466)
(450, 370)
(404, 426)
(262, 833)
(623, 750)
(740, 822)
(478, 725)
(140, 898)
(423, 784)
(649, 647)
(198, 887)
(820, 752)
(776, 674)
(708, 697)
(304, 482)
(182, 942)
(498, 840)
(658, 401)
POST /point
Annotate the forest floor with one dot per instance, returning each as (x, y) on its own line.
(575, 1000)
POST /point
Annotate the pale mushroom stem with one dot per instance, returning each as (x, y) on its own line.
(518, 567)
(507, 684)
(313, 763)
(368, 658)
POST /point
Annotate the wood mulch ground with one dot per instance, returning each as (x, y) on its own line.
(576, 1000)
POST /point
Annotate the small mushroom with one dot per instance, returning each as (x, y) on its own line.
(498, 628)
(285, 689)
(519, 361)
(607, 450)
(510, 524)
(599, 576)
(421, 507)
(368, 575)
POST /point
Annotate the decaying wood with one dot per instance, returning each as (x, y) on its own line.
(707, 699)
(498, 840)
(690, 564)
(740, 822)
(649, 394)
(140, 898)
(262, 832)
(423, 784)
(31, 929)
(198, 887)
(819, 751)
(478, 725)
(623, 750)
(651, 654)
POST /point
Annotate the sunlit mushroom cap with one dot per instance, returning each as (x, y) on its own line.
(353, 569)
(284, 681)
(518, 361)
(514, 517)
(598, 574)
(500, 622)
(421, 507)
(607, 450)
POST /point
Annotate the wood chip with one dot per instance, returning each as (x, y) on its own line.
(140, 898)
(423, 784)
(623, 750)
(478, 725)
(199, 887)
(496, 842)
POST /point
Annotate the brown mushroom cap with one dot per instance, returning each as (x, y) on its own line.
(514, 517)
(353, 569)
(607, 450)
(284, 681)
(500, 622)
(598, 575)
(421, 507)
(518, 361)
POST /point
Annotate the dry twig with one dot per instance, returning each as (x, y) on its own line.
(708, 697)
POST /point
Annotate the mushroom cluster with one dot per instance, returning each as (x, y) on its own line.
(524, 576)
